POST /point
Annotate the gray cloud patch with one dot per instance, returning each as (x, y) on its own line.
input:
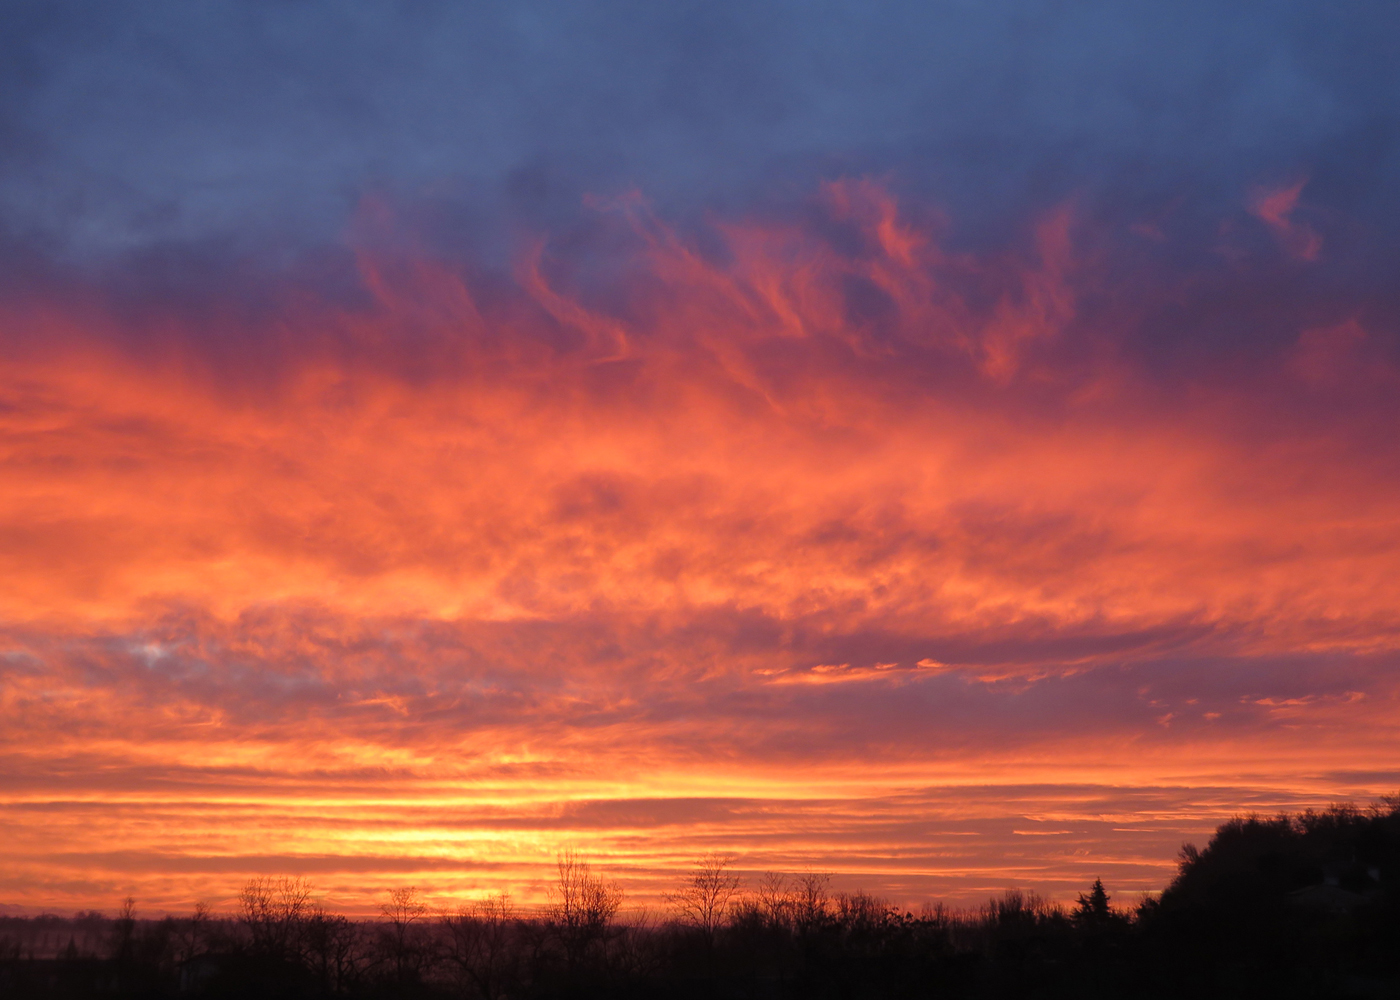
(164, 122)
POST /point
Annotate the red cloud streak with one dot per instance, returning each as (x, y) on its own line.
(842, 551)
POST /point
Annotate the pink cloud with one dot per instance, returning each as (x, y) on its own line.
(785, 550)
(1275, 207)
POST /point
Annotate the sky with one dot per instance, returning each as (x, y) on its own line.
(948, 445)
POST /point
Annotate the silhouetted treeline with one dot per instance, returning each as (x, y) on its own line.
(1292, 906)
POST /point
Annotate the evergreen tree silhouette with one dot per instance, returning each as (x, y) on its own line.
(1093, 909)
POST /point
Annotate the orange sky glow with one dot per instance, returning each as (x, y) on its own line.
(813, 543)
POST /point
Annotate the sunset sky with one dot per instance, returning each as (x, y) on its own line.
(950, 445)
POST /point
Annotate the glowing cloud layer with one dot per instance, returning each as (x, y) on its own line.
(808, 540)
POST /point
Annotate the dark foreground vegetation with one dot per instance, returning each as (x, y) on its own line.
(1294, 906)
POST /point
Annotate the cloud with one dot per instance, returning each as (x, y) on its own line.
(711, 552)
(1275, 208)
(235, 125)
(925, 443)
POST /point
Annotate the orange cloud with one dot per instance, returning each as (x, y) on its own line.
(785, 548)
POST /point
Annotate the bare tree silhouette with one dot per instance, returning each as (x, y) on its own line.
(331, 950)
(811, 898)
(584, 907)
(705, 896)
(479, 945)
(124, 931)
(775, 899)
(192, 934)
(273, 910)
(402, 914)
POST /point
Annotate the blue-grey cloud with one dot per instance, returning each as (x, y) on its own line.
(255, 124)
